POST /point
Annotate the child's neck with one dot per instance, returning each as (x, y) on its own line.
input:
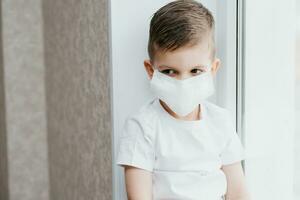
(194, 115)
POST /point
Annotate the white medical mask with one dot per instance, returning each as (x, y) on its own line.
(182, 96)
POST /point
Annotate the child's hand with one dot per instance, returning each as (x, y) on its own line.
(236, 184)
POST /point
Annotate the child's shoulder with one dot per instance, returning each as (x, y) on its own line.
(217, 112)
(220, 117)
(146, 114)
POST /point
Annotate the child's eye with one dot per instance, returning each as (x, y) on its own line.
(197, 71)
(168, 71)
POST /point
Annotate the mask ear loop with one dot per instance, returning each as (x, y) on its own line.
(209, 68)
(154, 68)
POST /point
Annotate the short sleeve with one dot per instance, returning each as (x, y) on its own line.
(233, 150)
(136, 145)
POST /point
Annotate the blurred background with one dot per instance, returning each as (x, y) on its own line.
(72, 71)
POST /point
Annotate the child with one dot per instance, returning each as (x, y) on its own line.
(178, 145)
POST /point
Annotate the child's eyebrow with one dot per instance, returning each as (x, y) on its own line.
(167, 66)
(170, 67)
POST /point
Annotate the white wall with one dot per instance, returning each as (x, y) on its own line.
(129, 36)
(269, 98)
(297, 133)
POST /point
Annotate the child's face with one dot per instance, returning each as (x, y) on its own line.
(184, 62)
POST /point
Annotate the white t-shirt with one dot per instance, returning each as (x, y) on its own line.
(184, 157)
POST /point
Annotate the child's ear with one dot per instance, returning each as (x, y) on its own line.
(148, 67)
(216, 65)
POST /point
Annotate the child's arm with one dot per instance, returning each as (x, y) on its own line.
(236, 184)
(138, 183)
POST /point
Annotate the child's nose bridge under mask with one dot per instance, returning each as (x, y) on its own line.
(182, 95)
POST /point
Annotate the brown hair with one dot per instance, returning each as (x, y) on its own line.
(180, 23)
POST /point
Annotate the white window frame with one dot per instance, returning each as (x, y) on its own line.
(267, 84)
